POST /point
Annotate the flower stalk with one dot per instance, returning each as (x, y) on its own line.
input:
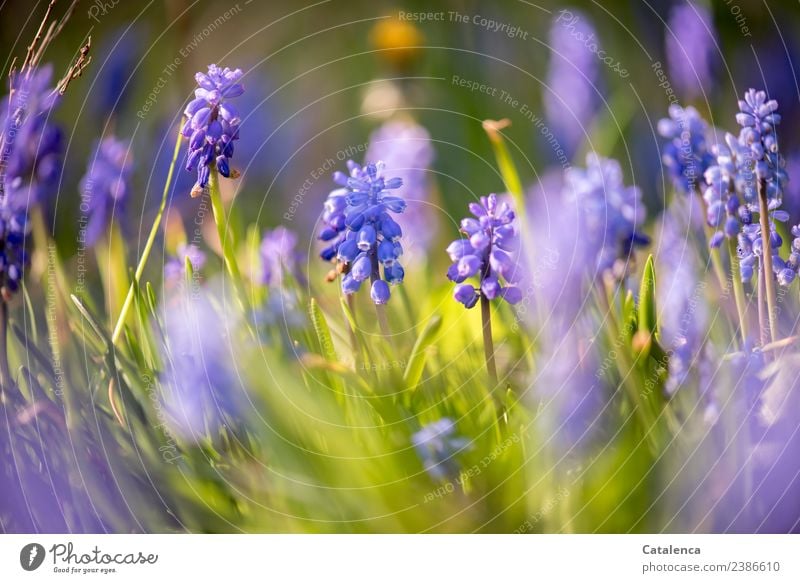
(126, 306)
(766, 257)
(488, 343)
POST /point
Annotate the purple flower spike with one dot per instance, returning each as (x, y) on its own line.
(359, 231)
(212, 124)
(485, 254)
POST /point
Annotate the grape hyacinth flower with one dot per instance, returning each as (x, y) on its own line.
(405, 147)
(436, 446)
(748, 179)
(212, 124)
(486, 253)
(610, 213)
(30, 164)
(359, 231)
(691, 41)
(687, 155)
(32, 144)
(106, 186)
(573, 79)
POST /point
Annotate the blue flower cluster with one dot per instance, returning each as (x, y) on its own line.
(212, 124)
(687, 155)
(437, 446)
(744, 163)
(486, 253)
(30, 164)
(106, 186)
(361, 234)
(610, 213)
(32, 144)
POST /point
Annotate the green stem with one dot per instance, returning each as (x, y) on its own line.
(738, 289)
(126, 306)
(766, 254)
(488, 343)
(218, 209)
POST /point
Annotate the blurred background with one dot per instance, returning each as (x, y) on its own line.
(322, 77)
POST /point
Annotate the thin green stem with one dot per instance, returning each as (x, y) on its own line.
(766, 255)
(488, 343)
(225, 241)
(126, 306)
(738, 289)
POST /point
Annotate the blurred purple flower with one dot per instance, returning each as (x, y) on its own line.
(175, 266)
(611, 214)
(691, 49)
(437, 446)
(105, 187)
(279, 255)
(680, 296)
(31, 147)
(200, 385)
(405, 147)
(687, 155)
(573, 79)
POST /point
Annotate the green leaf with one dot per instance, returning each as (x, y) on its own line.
(416, 363)
(322, 330)
(648, 318)
(508, 170)
(93, 323)
(366, 355)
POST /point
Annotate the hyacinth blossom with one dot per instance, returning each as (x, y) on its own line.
(106, 185)
(212, 124)
(32, 144)
(686, 155)
(572, 78)
(436, 445)
(30, 161)
(611, 214)
(743, 163)
(359, 231)
(405, 147)
(691, 48)
(486, 253)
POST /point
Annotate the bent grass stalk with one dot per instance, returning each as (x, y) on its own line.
(126, 306)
